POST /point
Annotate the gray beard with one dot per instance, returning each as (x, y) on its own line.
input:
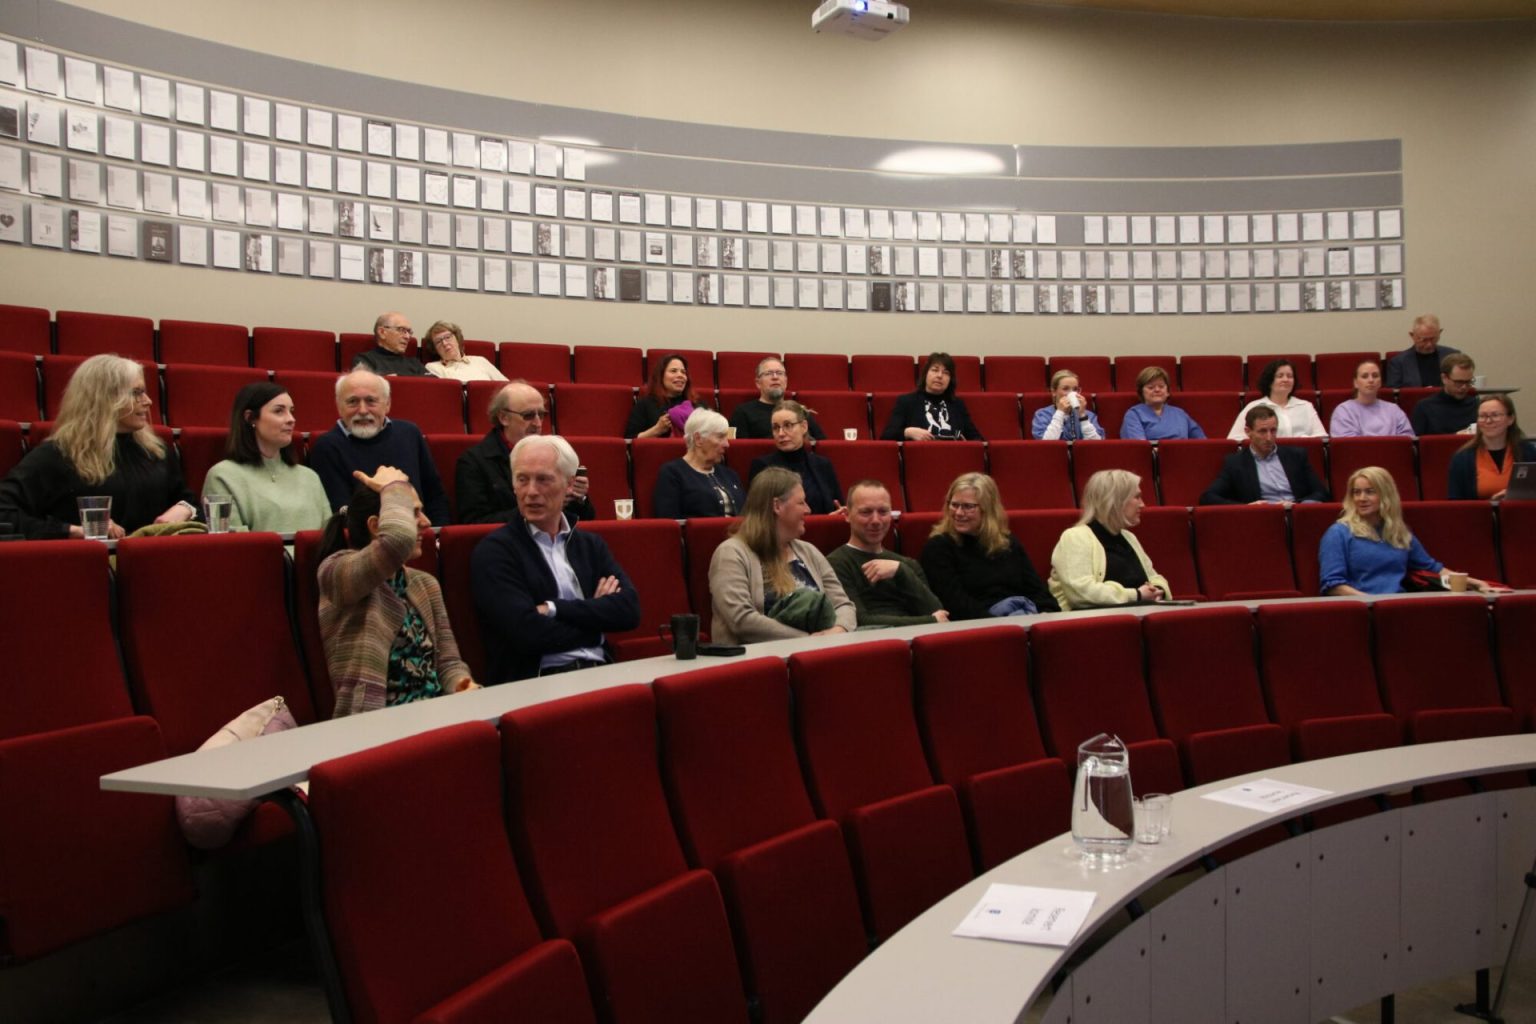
(363, 433)
(775, 394)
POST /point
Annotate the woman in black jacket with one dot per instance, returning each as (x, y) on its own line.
(973, 564)
(791, 429)
(932, 412)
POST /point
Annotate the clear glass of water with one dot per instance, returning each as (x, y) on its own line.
(216, 512)
(95, 514)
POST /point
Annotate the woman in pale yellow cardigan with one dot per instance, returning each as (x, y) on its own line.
(1099, 563)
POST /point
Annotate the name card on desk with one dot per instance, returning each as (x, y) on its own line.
(1023, 913)
(1267, 795)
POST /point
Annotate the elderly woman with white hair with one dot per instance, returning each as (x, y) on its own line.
(699, 485)
(1099, 563)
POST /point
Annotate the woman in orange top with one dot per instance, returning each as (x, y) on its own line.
(1480, 470)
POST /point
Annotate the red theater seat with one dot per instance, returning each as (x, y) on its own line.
(1016, 374)
(1111, 407)
(605, 364)
(865, 767)
(1127, 367)
(11, 445)
(1435, 662)
(729, 761)
(1514, 618)
(1107, 650)
(599, 410)
(1336, 370)
(19, 383)
(1316, 449)
(1394, 454)
(90, 334)
(741, 454)
(838, 411)
(1088, 457)
(79, 860)
(648, 455)
(285, 348)
(200, 448)
(1211, 705)
(652, 933)
(1308, 524)
(982, 738)
(1213, 373)
(435, 406)
(352, 344)
(1435, 453)
(651, 552)
(433, 799)
(1094, 373)
(867, 460)
(700, 538)
(1214, 411)
(1165, 535)
(1031, 474)
(1242, 552)
(739, 369)
(967, 373)
(1458, 533)
(1185, 469)
(446, 449)
(995, 414)
(883, 373)
(25, 329)
(1517, 542)
(314, 398)
(456, 545)
(1039, 530)
(203, 396)
(531, 361)
(205, 344)
(931, 466)
(816, 371)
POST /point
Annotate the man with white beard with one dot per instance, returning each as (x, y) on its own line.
(365, 438)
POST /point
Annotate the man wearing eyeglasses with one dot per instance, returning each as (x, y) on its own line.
(392, 335)
(483, 475)
(1453, 408)
(754, 417)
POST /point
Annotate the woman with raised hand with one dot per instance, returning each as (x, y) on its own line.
(975, 566)
(271, 491)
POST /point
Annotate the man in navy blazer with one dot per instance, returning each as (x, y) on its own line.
(1265, 473)
(547, 593)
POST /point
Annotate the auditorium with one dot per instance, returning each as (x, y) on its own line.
(992, 262)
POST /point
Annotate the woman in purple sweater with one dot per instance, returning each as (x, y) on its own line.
(1366, 415)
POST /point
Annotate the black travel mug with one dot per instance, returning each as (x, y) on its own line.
(685, 636)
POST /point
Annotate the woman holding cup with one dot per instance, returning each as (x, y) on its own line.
(265, 487)
(102, 446)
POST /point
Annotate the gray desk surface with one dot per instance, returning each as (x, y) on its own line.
(268, 764)
(924, 973)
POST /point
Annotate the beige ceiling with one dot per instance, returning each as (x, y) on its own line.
(1316, 10)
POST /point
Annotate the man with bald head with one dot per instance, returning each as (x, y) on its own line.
(392, 335)
(1418, 366)
(483, 476)
(365, 438)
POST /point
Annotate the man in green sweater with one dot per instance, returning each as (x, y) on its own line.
(888, 589)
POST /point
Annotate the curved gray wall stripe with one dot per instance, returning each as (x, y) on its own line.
(106, 37)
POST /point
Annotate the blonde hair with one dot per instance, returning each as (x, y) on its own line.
(758, 527)
(1061, 375)
(1393, 530)
(1105, 495)
(96, 398)
(993, 533)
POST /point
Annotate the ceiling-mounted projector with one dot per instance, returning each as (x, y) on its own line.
(862, 19)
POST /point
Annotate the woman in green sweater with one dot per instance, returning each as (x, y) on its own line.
(272, 493)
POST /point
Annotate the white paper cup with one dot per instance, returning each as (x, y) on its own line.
(624, 508)
(95, 514)
(850, 434)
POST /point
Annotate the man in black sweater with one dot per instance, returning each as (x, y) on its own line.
(1419, 365)
(1265, 472)
(392, 335)
(754, 417)
(483, 476)
(1454, 407)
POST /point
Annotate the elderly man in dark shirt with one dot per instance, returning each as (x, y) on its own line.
(1419, 365)
(392, 335)
(483, 475)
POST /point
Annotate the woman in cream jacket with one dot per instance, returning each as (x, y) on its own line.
(1098, 563)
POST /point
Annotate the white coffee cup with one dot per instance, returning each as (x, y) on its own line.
(850, 433)
(624, 508)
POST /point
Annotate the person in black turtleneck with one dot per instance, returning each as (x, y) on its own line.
(102, 444)
(791, 426)
(392, 335)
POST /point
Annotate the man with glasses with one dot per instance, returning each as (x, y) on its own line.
(1418, 365)
(365, 438)
(754, 417)
(483, 476)
(1453, 408)
(392, 335)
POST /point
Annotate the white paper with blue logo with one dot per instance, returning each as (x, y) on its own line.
(1024, 913)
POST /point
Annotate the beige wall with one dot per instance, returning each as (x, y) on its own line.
(1461, 97)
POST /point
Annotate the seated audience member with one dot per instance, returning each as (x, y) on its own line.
(392, 335)
(975, 566)
(1452, 409)
(753, 418)
(1418, 366)
(791, 426)
(1481, 468)
(666, 402)
(887, 588)
(932, 412)
(1370, 549)
(384, 625)
(446, 342)
(365, 438)
(1297, 416)
(101, 445)
(1099, 563)
(1265, 473)
(547, 593)
(1366, 415)
(1154, 419)
(1068, 417)
(700, 484)
(765, 583)
(271, 491)
(483, 475)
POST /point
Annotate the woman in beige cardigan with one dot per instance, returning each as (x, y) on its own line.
(384, 625)
(1098, 563)
(765, 561)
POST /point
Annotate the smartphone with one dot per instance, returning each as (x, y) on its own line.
(581, 470)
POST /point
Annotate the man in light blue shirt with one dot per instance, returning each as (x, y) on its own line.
(1266, 473)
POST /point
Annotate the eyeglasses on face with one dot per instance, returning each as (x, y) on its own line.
(531, 415)
(408, 332)
(963, 506)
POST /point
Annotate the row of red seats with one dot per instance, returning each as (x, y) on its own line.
(761, 821)
(72, 709)
(1030, 474)
(192, 395)
(30, 329)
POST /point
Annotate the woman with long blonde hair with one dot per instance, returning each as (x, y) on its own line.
(762, 570)
(1099, 563)
(102, 445)
(1370, 549)
(975, 566)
